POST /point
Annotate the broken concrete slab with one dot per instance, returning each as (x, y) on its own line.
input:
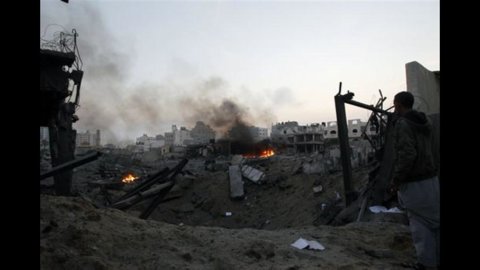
(237, 159)
(252, 174)
(236, 183)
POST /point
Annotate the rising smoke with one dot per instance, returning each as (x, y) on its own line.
(228, 119)
(123, 111)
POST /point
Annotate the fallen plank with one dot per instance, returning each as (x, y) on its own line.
(140, 196)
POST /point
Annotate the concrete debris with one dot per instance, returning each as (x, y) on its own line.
(317, 189)
(252, 174)
(237, 159)
(236, 182)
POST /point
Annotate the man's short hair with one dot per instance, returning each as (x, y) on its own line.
(405, 99)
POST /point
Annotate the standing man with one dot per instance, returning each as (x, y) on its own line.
(415, 179)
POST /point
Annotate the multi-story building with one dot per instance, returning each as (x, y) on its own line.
(178, 137)
(88, 139)
(281, 130)
(169, 138)
(331, 130)
(201, 133)
(258, 133)
(150, 143)
(181, 137)
(298, 139)
(355, 129)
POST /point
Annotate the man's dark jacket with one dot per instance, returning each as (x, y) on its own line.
(413, 146)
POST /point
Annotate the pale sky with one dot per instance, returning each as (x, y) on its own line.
(280, 60)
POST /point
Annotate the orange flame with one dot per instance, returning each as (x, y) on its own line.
(129, 178)
(263, 154)
(267, 153)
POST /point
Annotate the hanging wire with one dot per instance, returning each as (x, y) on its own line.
(63, 41)
(48, 26)
(78, 61)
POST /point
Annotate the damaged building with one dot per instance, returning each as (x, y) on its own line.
(311, 138)
(147, 143)
(87, 139)
(202, 133)
(293, 138)
(355, 129)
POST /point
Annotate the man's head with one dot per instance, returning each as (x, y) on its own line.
(403, 102)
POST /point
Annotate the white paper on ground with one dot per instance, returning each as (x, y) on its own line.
(315, 245)
(394, 210)
(378, 208)
(302, 243)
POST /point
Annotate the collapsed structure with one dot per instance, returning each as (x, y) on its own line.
(60, 78)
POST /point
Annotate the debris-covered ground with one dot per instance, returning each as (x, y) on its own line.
(198, 226)
(77, 235)
(285, 199)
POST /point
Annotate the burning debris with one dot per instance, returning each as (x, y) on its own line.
(263, 154)
(129, 178)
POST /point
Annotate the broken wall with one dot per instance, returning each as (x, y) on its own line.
(425, 87)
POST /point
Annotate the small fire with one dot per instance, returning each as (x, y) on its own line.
(129, 178)
(267, 153)
(264, 154)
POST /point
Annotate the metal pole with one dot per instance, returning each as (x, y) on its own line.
(344, 145)
(70, 165)
(368, 107)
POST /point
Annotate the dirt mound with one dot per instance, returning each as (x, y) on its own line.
(77, 235)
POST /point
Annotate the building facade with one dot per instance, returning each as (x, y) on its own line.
(149, 143)
(202, 133)
(88, 139)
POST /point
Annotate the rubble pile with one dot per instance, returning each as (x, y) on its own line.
(280, 201)
(276, 192)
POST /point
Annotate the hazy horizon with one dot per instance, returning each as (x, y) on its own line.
(151, 64)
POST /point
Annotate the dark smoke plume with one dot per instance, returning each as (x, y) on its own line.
(125, 111)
